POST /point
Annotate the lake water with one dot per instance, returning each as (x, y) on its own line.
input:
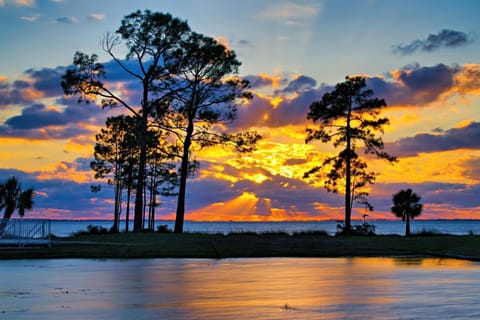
(274, 288)
(458, 227)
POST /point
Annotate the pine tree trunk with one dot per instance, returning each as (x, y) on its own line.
(127, 213)
(180, 216)
(348, 177)
(138, 218)
(129, 193)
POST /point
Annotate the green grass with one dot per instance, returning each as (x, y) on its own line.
(196, 245)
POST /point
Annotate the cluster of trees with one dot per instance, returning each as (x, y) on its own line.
(189, 89)
(189, 92)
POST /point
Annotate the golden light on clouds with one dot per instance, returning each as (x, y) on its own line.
(441, 167)
(66, 171)
(256, 177)
(31, 155)
(32, 94)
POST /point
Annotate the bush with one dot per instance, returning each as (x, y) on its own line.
(364, 229)
(91, 229)
(163, 229)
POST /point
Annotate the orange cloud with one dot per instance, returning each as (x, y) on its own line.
(468, 79)
(66, 171)
(223, 40)
(31, 94)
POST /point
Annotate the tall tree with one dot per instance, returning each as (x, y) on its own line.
(12, 198)
(152, 43)
(406, 205)
(161, 171)
(349, 116)
(115, 159)
(206, 99)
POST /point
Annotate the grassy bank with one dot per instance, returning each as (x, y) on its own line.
(169, 245)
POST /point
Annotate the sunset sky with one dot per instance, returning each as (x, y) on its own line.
(422, 57)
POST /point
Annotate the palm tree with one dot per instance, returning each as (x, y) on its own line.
(12, 198)
(406, 206)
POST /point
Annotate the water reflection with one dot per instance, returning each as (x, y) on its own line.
(276, 288)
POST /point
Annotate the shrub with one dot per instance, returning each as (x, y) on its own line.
(364, 229)
(91, 229)
(163, 229)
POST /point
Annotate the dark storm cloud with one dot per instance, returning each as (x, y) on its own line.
(40, 122)
(41, 83)
(414, 85)
(36, 116)
(201, 193)
(8, 97)
(444, 39)
(301, 84)
(47, 80)
(258, 81)
(57, 193)
(294, 112)
(21, 84)
(261, 111)
(12, 93)
(457, 138)
(66, 132)
(39, 116)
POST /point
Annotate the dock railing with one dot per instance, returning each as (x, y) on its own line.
(25, 232)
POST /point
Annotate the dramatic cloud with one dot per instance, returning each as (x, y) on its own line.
(280, 109)
(67, 20)
(39, 121)
(10, 95)
(467, 137)
(47, 80)
(264, 80)
(411, 86)
(37, 116)
(38, 84)
(301, 84)
(445, 38)
(414, 85)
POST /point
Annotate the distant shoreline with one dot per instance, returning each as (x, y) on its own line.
(218, 246)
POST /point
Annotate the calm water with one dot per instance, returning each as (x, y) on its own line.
(276, 288)
(458, 227)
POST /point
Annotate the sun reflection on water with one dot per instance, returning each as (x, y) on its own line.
(273, 288)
